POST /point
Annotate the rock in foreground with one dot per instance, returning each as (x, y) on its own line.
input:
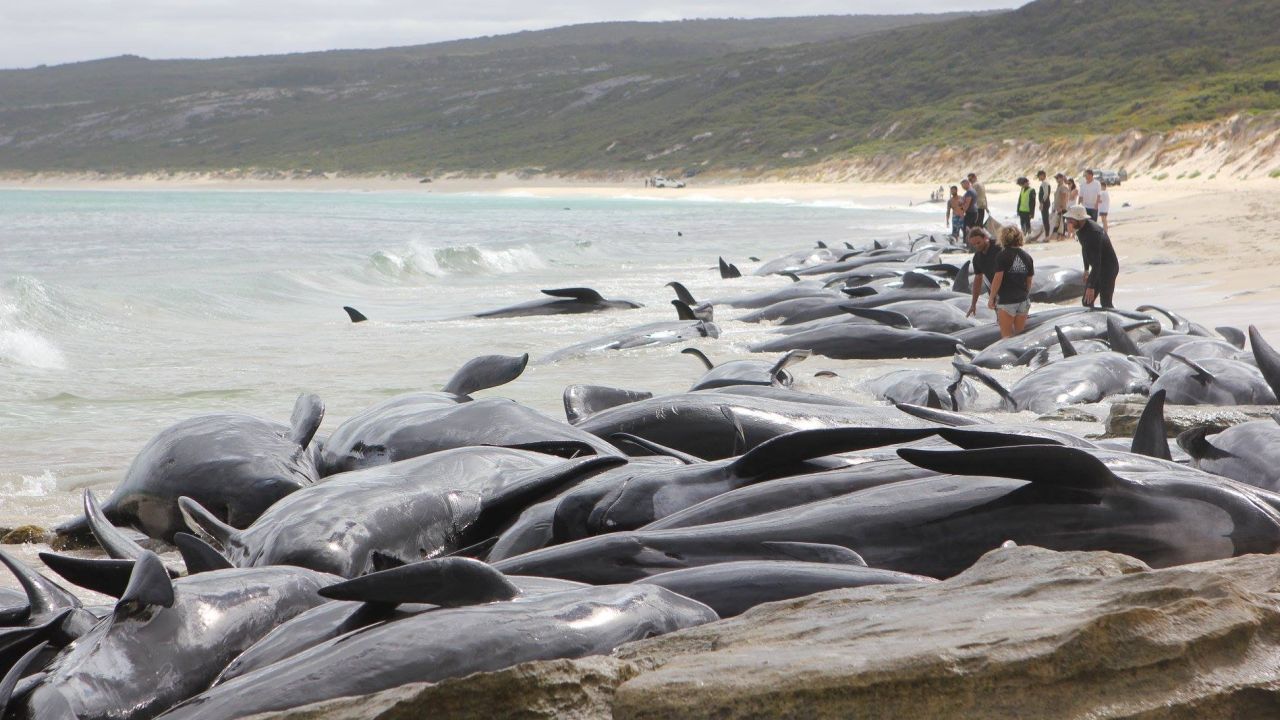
(1025, 633)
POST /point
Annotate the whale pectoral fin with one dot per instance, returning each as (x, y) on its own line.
(1232, 335)
(198, 555)
(149, 586)
(816, 552)
(790, 276)
(1151, 438)
(355, 315)
(115, 543)
(486, 371)
(884, 317)
(656, 449)
(1196, 444)
(106, 576)
(1198, 373)
(978, 439)
(308, 411)
(202, 521)
(781, 452)
(790, 358)
(1048, 464)
(987, 379)
(15, 674)
(581, 294)
(447, 582)
(941, 417)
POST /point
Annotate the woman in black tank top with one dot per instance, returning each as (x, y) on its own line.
(1011, 286)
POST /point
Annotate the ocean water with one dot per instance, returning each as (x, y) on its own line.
(123, 312)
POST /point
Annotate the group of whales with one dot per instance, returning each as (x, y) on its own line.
(438, 534)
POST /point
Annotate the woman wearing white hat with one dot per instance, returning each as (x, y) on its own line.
(1101, 266)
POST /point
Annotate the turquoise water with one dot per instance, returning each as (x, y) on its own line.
(123, 312)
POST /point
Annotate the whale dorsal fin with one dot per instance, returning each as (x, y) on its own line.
(149, 586)
(961, 284)
(919, 280)
(1118, 339)
(1196, 443)
(977, 438)
(1151, 438)
(447, 582)
(1232, 335)
(355, 315)
(486, 371)
(1068, 350)
(682, 293)
(101, 575)
(790, 276)
(578, 293)
(884, 317)
(583, 401)
(15, 673)
(695, 352)
(308, 412)
(115, 543)
(933, 402)
(199, 555)
(683, 311)
(1267, 358)
(201, 520)
(44, 597)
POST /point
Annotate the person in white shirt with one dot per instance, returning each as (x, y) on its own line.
(1104, 207)
(1090, 191)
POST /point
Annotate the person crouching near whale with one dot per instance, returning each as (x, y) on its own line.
(985, 253)
(1011, 286)
(1101, 266)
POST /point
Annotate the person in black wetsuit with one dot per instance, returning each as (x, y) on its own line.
(1011, 288)
(985, 252)
(1101, 266)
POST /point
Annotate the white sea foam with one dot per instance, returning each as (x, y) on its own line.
(30, 486)
(20, 346)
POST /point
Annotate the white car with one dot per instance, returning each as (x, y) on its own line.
(661, 182)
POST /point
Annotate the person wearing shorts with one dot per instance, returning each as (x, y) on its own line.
(1104, 208)
(955, 213)
(1011, 287)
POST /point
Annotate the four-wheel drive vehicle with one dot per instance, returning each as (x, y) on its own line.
(661, 182)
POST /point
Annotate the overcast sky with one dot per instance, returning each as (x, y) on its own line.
(34, 32)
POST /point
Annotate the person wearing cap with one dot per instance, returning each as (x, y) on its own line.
(1044, 195)
(980, 191)
(1101, 266)
(1026, 205)
(1061, 193)
(1090, 192)
(985, 254)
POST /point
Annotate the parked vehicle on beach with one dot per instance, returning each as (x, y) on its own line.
(659, 181)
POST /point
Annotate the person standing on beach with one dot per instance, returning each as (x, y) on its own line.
(1090, 191)
(1061, 201)
(1026, 205)
(985, 252)
(1101, 266)
(1074, 197)
(955, 213)
(1011, 287)
(980, 191)
(1104, 207)
(1045, 196)
(970, 205)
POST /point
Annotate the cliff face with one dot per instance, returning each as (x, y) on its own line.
(1240, 146)
(1024, 633)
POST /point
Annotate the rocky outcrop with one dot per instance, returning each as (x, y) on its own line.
(1025, 633)
(1122, 419)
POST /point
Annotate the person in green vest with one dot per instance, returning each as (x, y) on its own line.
(1026, 205)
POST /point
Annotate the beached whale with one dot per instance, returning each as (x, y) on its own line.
(1070, 381)
(724, 423)
(864, 342)
(452, 642)
(401, 512)
(166, 640)
(746, 372)
(1052, 496)
(237, 465)
(1222, 381)
(688, 327)
(561, 301)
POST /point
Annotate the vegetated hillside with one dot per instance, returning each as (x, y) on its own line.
(649, 100)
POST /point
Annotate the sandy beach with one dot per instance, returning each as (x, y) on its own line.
(1196, 245)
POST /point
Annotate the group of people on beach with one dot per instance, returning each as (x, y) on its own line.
(1008, 270)
(969, 209)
